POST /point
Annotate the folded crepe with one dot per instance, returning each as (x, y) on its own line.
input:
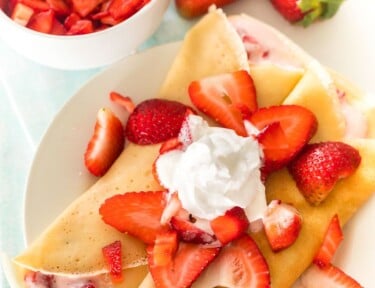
(72, 244)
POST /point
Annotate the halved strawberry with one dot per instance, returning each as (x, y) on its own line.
(232, 225)
(42, 21)
(193, 8)
(165, 247)
(190, 233)
(314, 277)
(319, 166)
(112, 254)
(187, 264)
(124, 101)
(136, 213)
(282, 224)
(155, 120)
(331, 242)
(287, 129)
(22, 14)
(239, 264)
(106, 143)
(225, 98)
(122, 9)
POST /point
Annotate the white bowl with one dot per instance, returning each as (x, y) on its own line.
(84, 51)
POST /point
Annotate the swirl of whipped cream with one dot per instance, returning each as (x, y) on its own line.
(217, 171)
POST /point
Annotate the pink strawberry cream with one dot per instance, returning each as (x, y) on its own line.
(215, 171)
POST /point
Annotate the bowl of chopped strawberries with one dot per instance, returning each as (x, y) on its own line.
(75, 34)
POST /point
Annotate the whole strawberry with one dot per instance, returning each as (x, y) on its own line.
(155, 120)
(319, 166)
(306, 12)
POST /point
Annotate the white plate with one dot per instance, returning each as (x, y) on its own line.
(58, 175)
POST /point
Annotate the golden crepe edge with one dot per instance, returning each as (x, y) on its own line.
(110, 182)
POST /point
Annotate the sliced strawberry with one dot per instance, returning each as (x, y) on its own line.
(136, 213)
(232, 225)
(225, 98)
(187, 264)
(239, 264)
(71, 20)
(165, 247)
(314, 277)
(113, 255)
(193, 8)
(81, 27)
(85, 7)
(22, 14)
(190, 233)
(42, 21)
(106, 143)
(37, 5)
(122, 100)
(154, 121)
(331, 242)
(122, 9)
(59, 6)
(320, 165)
(282, 224)
(57, 28)
(288, 128)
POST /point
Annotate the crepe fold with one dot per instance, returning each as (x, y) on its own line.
(72, 243)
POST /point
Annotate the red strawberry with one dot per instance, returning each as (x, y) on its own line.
(187, 264)
(59, 6)
(122, 100)
(113, 256)
(165, 247)
(22, 14)
(42, 21)
(106, 143)
(81, 27)
(282, 224)
(85, 7)
(71, 20)
(37, 5)
(194, 8)
(285, 131)
(239, 264)
(306, 12)
(232, 225)
(122, 9)
(320, 165)
(154, 121)
(331, 242)
(188, 232)
(226, 98)
(136, 213)
(314, 277)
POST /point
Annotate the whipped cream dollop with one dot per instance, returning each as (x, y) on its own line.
(215, 171)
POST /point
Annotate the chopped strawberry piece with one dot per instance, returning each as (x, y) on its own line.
(85, 7)
(57, 28)
(225, 98)
(22, 14)
(37, 5)
(314, 277)
(188, 263)
(287, 129)
(165, 247)
(106, 143)
(282, 224)
(136, 213)
(194, 8)
(232, 225)
(154, 121)
(190, 233)
(122, 9)
(81, 27)
(122, 100)
(71, 20)
(59, 6)
(320, 165)
(331, 242)
(113, 256)
(42, 21)
(239, 264)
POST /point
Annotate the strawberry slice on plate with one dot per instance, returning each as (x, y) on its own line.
(239, 264)
(186, 265)
(136, 213)
(320, 166)
(112, 254)
(106, 143)
(285, 130)
(226, 98)
(331, 242)
(194, 8)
